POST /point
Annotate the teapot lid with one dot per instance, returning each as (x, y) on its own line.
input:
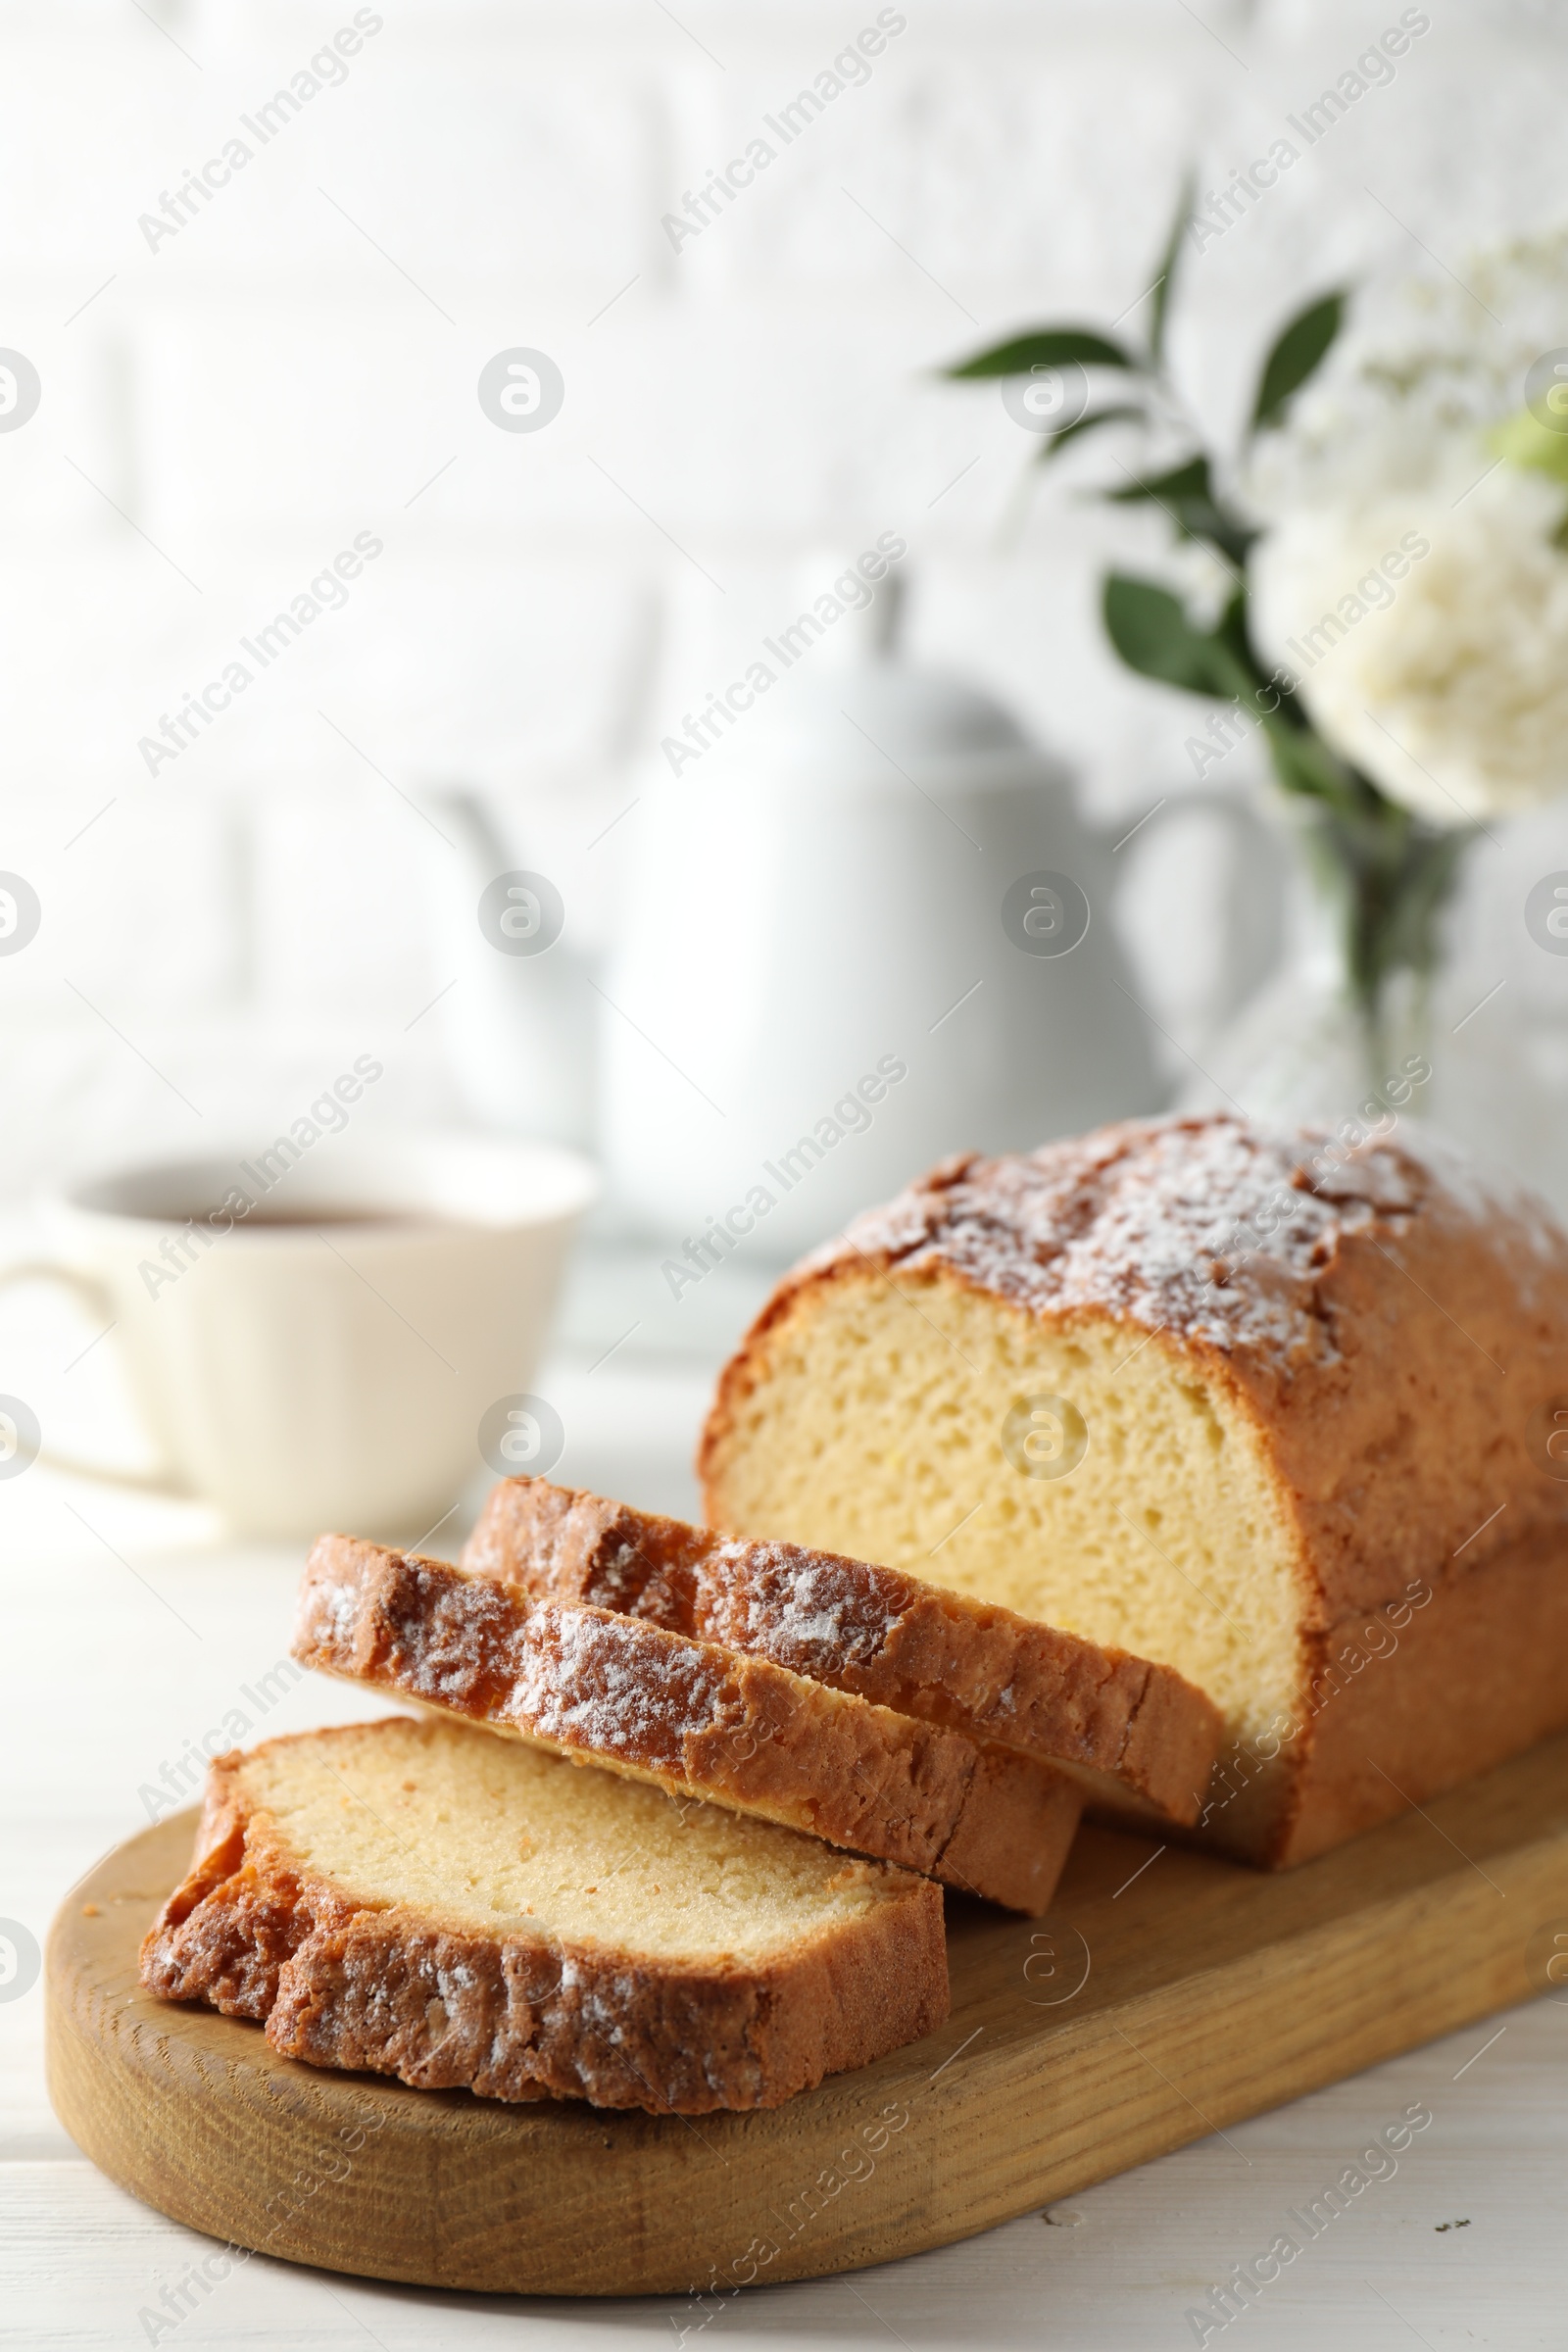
(855, 673)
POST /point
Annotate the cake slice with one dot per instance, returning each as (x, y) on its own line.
(692, 1715)
(1129, 1732)
(465, 1913)
(1280, 1412)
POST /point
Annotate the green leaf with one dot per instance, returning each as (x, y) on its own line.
(1231, 630)
(1186, 482)
(1188, 497)
(1045, 347)
(1296, 353)
(1164, 282)
(1123, 414)
(1304, 764)
(1150, 631)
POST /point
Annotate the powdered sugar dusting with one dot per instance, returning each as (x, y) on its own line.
(610, 1684)
(583, 1677)
(801, 1608)
(327, 1610)
(1207, 1227)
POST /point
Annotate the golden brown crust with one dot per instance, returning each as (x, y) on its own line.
(983, 1670)
(1394, 1331)
(1442, 1681)
(619, 1692)
(402, 1991)
(1393, 1327)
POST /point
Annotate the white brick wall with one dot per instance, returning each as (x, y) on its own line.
(268, 383)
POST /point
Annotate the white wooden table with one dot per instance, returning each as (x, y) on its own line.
(129, 1629)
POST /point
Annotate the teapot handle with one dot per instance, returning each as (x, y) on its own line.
(1256, 912)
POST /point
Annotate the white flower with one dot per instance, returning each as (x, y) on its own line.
(1429, 632)
(1424, 368)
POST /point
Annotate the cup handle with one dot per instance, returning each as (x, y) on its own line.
(97, 1299)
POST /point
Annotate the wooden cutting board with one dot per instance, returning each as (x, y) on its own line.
(1161, 1997)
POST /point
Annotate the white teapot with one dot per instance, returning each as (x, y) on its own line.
(866, 929)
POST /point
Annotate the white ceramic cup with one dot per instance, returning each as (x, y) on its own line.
(351, 1373)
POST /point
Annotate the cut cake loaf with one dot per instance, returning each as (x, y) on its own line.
(418, 1900)
(1280, 1412)
(692, 1715)
(1124, 1729)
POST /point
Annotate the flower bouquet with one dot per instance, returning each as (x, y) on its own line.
(1387, 546)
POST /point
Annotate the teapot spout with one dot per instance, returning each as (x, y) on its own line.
(518, 1021)
(472, 829)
